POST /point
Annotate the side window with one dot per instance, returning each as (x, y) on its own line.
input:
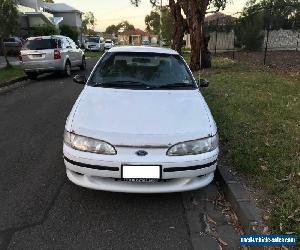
(67, 43)
(71, 42)
(74, 44)
(59, 43)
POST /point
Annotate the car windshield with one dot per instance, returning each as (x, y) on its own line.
(93, 39)
(141, 70)
(108, 41)
(40, 44)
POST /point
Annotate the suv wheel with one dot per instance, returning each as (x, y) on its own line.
(83, 64)
(68, 69)
(32, 75)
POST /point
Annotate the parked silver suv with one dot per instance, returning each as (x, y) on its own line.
(50, 53)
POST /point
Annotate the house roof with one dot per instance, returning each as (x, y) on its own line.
(39, 14)
(59, 7)
(144, 49)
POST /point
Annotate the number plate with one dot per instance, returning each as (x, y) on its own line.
(36, 55)
(142, 180)
(141, 172)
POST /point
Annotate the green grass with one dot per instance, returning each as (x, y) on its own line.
(257, 112)
(10, 73)
(93, 53)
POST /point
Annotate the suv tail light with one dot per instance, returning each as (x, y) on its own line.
(57, 54)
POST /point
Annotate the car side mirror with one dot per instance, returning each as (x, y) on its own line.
(203, 83)
(80, 79)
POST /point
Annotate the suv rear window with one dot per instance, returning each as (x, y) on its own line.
(40, 44)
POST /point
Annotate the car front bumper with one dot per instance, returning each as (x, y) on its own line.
(103, 172)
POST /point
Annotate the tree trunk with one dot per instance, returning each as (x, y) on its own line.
(180, 25)
(195, 12)
(4, 52)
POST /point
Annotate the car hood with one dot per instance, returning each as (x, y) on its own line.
(142, 117)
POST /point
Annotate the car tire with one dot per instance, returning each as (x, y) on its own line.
(83, 64)
(32, 75)
(68, 69)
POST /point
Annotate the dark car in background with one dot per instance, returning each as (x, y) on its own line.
(13, 45)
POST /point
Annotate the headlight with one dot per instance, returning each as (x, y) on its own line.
(194, 147)
(87, 144)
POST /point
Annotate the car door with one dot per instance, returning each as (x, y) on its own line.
(76, 51)
(71, 51)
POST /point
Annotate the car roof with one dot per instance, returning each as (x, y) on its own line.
(144, 49)
(45, 37)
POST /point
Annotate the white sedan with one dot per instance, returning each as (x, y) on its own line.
(140, 125)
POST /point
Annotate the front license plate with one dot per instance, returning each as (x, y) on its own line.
(140, 172)
(142, 180)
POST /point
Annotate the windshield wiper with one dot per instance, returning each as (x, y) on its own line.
(123, 84)
(175, 85)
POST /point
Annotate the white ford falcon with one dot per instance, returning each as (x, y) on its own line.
(141, 125)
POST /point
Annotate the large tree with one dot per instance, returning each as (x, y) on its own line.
(152, 22)
(180, 25)
(168, 26)
(88, 22)
(8, 22)
(194, 11)
(115, 29)
(112, 29)
(258, 16)
(276, 14)
(126, 26)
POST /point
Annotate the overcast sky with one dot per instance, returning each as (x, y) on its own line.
(110, 12)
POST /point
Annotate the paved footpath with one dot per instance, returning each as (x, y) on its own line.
(12, 60)
(41, 209)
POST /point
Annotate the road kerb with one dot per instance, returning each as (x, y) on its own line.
(244, 206)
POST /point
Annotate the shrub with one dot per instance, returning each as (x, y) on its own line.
(44, 30)
(69, 31)
(249, 32)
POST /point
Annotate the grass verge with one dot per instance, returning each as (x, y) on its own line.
(10, 73)
(93, 53)
(258, 116)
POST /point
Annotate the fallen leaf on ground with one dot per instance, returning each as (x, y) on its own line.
(211, 220)
(224, 243)
(264, 168)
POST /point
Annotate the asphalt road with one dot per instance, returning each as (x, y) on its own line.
(41, 209)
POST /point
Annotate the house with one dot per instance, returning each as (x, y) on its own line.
(34, 13)
(133, 37)
(31, 15)
(70, 16)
